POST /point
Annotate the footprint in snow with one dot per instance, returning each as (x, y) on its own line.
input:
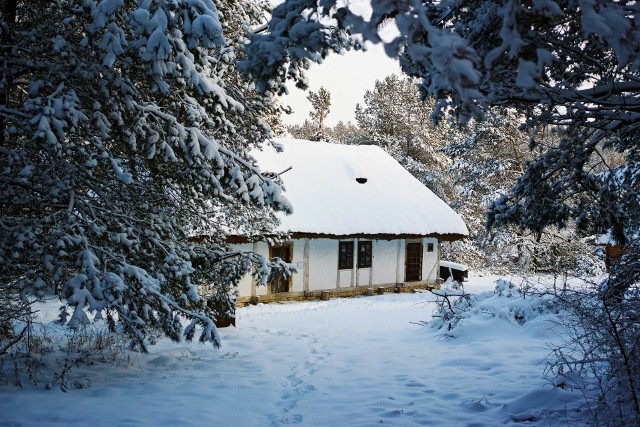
(291, 419)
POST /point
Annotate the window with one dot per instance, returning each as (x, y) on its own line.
(345, 255)
(364, 254)
(429, 247)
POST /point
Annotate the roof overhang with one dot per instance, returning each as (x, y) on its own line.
(297, 236)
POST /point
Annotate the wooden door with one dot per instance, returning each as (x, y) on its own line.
(413, 262)
(278, 282)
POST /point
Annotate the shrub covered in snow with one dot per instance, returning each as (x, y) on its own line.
(601, 352)
(53, 355)
(509, 302)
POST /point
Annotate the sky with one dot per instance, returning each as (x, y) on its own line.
(347, 77)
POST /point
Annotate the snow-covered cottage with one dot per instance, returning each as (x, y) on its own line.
(360, 220)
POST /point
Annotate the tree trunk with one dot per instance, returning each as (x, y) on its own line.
(6, 27)
(536, 253)
(9, 13)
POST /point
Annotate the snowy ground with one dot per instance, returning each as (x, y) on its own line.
(344, 362)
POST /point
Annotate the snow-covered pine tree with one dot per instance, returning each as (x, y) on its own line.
(306, 130)
(345, 133)
(487, 161)
(124, 131)
(320, 104)
(341, 133)
(396, 118)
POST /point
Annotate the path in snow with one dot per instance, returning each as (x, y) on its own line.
(344, 362)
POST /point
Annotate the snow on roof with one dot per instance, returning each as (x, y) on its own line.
(324, 189)
(454, 265)
(604, 239)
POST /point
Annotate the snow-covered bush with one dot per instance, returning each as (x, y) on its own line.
(509, 302)
(53, 355)
(601, 353)
(451, 302)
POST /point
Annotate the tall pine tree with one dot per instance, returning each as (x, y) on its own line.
(124, 131)
(395, 117)
(321, 103)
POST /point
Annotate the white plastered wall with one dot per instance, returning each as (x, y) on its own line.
(244, 287)
(248, 286)
(385, 258)
(298, 261)
(430, 260)
(319, 263)
(387, 264)
(323, 265)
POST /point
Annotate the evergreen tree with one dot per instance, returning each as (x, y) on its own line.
(487, 162)
(306, 130)
(346, 133)
(395, 117)
(124, 128)
(320, 102)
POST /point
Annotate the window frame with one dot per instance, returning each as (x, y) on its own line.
(365, 254)
(345, 255)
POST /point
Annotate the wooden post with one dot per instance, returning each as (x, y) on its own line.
(380, 290)
(305, 266)
(325, 295)
(369, 292)
(254, 281)
(354, 270)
